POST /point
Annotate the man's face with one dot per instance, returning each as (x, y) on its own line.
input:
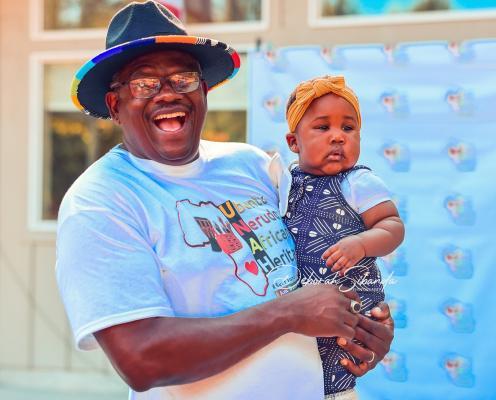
(167, 127)
(327, 138)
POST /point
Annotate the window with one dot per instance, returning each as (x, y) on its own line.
(84, 14)
(200, 12)
(225, 126)
(75, 14)
(227, 104)
(329, 12)
(331, 8)
(71, 141)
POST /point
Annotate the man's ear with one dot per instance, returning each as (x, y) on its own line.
(112, 102)
(292, 142)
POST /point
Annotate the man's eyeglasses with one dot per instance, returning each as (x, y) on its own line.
(147, 87)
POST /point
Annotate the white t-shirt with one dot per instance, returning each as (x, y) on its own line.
(139, 239)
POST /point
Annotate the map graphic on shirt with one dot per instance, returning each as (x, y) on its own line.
(223, 229)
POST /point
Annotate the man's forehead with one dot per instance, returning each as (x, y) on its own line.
(151, 60)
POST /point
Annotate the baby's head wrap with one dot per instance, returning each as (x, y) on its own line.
(308, 91)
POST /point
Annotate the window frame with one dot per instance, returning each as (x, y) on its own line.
(39, 33)
(315, 20)
(37, 63)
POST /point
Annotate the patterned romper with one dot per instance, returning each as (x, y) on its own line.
(318, 216)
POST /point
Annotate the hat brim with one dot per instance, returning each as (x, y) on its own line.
(218, 62)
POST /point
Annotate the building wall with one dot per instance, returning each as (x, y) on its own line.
(34, 332)
(35, 337)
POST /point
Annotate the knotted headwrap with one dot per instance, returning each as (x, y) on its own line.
(308, 91)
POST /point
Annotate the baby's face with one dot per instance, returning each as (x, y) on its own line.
(327, 138)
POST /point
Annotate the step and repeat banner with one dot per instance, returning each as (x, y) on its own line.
(429, 131)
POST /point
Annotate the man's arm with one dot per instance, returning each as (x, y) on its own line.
(171, 351)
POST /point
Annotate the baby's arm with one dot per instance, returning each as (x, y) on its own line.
(385, 232)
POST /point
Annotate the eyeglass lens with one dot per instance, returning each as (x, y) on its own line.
(147, 87)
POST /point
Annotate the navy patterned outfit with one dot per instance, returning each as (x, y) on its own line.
(318, 216)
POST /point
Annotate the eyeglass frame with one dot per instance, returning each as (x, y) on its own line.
(115, 85)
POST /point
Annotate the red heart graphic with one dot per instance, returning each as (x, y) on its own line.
(252, 267)
(454, 151)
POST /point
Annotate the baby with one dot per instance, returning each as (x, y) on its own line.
(340, 214)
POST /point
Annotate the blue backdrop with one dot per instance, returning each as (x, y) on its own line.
(429, 116)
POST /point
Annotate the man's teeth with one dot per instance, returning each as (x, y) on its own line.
(171, 115)
(170, 122)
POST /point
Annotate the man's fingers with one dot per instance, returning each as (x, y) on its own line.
(345, 331)
(372, 342)
(350, 319)
(381, 311)
(349, 293)
(357, 370)
(357, 350)
(376, 328)
(382, 314)
(374, 335)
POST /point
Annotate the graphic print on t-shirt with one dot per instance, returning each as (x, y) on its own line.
(223, 229)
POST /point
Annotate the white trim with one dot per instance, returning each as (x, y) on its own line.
(38, 33)
(229, 27)
(37, 62)
(243, 47)
(315, 20)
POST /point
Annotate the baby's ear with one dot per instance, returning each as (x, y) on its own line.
(292, 142)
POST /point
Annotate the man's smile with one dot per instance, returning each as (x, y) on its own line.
(170, 122)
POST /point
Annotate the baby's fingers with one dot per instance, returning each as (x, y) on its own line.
(330, 250)
(341, 263)
(333, 259)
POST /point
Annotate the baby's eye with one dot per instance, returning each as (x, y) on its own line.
(348, 128)
(322, 127)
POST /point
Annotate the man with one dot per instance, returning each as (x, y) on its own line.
(171, 252)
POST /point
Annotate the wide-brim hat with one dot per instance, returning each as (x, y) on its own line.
(141, 28)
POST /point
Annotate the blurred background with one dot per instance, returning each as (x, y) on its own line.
(425, 71)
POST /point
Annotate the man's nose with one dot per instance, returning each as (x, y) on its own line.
(166, 93)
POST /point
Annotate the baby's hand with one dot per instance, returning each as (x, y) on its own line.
(344, 254)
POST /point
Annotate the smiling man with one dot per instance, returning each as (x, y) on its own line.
(167, 127)
(164, 257)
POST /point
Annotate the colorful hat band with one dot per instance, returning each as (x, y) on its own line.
(149, 42)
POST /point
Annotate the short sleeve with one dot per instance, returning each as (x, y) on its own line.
(362, 189)
(281, 179)
(107, 273)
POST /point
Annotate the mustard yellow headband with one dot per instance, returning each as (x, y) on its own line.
(308, 91)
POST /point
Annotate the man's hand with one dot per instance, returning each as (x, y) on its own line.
(344, 254)
(321, 310)
(376, 337)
